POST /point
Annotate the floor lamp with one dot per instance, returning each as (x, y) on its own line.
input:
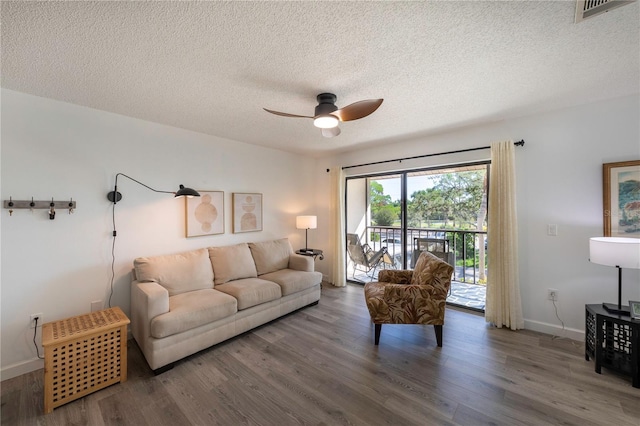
(618, 252)
(306, 223)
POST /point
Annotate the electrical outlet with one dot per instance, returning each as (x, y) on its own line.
(96, 305)
(552, 294)
(32, 320)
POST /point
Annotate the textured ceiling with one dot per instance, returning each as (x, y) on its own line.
(212, 66)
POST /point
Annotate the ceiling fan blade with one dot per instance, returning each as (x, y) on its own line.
(329, 133)
(285, 114)
(357, 110)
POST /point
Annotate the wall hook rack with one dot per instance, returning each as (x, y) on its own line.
(32, 204)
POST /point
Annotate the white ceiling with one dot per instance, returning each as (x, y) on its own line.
(212, 66)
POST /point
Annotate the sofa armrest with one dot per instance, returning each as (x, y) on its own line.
(402, 276)
(148, 300)
(301, 263)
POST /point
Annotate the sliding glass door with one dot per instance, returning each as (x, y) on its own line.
(392, 218)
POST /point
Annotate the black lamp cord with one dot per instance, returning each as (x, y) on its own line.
(559, 319)
(113, 251)
(35, 332)
(557, 316)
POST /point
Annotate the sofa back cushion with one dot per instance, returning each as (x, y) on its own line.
(271, 256)
(232, 263)
(178, 273)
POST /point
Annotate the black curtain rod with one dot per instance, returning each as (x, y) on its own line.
(519, 143)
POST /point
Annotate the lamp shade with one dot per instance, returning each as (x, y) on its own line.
(187, 192)
(306, 222)
(615, 251)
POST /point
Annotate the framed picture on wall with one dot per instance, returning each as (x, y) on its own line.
(204, 214)
(247, 212)
(621, 187)
(634, 308)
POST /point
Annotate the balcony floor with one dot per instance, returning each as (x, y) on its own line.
(472, 296)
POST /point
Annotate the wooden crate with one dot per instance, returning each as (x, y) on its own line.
(83, 354)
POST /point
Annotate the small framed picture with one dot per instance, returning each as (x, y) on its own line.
(205, 214)
(634, 307)
(247, 212)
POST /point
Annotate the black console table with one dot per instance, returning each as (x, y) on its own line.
(311, 252)
(613, 341)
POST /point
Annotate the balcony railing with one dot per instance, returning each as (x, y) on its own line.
(463, 249)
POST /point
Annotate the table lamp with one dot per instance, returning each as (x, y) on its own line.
(306, 223)
(618, 252)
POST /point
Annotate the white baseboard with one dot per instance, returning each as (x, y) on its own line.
(15, 370)
(554, 329)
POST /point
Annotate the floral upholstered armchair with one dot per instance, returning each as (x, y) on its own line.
(410, 296)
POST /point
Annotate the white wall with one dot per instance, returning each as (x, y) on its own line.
(54, 149)
(559, 172)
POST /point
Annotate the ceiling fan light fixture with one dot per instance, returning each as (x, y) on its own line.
(326, 121)
(327, 115)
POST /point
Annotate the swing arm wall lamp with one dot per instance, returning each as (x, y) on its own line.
(114, 196)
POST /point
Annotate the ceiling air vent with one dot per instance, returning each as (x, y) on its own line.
(589, 8)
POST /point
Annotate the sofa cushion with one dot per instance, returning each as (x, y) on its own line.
(272, 255)
(191, 310)
(293, 281)
(232, 263)
(251, 291)
(178, 273)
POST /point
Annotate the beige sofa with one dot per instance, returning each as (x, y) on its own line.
(186, 302)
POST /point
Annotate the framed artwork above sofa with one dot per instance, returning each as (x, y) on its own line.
(204, 215)
(247, 212)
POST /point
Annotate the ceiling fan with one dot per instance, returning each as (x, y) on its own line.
(327, 115)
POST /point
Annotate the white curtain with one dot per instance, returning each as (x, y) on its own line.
(339, 237)
(504, 307)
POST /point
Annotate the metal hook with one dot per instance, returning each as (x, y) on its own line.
(52, 210)
(71, 206)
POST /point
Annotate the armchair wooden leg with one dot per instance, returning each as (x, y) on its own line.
(438, 329)
(378, 328)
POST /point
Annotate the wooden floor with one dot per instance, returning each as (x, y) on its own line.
(319, 366)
